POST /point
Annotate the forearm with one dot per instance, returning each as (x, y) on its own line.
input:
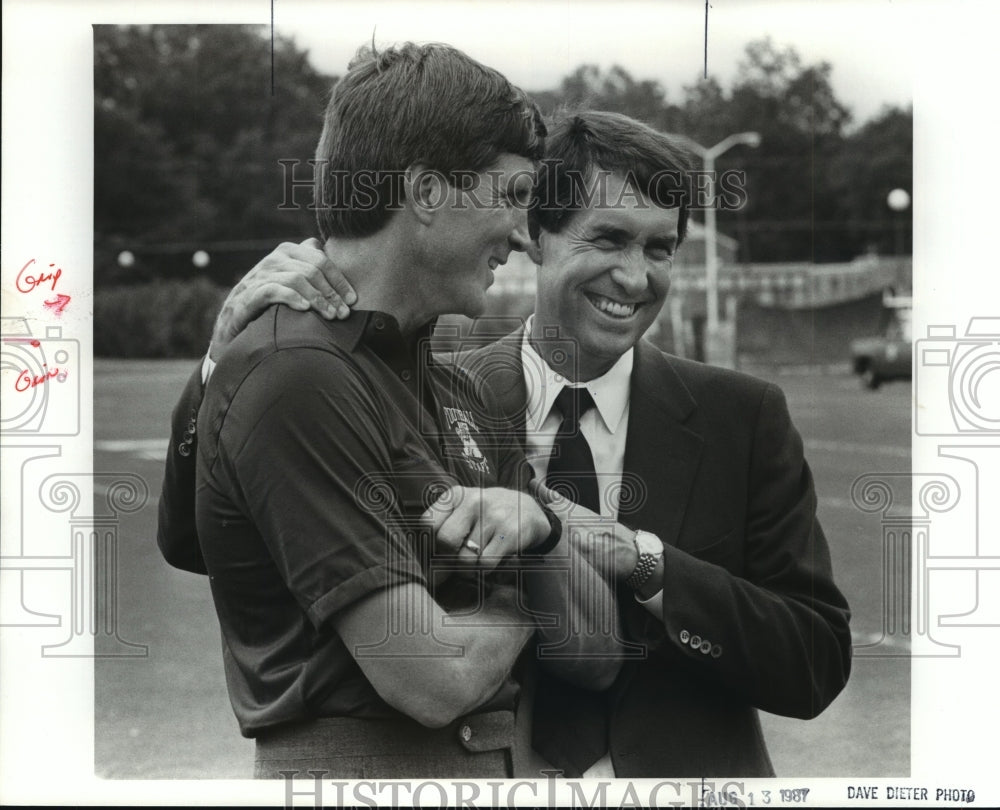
(448, 664)
(583, 644)
(491, 639)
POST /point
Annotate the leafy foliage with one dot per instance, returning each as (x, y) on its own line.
(815, 191)
(188, 133)
(156, 319)
(189, 130)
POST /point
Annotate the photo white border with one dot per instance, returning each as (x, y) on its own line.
(47, 717)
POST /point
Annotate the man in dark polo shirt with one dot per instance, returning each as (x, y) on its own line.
(354, 508)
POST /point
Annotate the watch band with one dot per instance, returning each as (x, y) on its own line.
(555, 532)
(646, 564)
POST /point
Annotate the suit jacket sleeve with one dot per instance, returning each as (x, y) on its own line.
(770, 624)
(176, 534)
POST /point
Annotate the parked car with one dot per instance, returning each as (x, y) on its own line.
(888, 356)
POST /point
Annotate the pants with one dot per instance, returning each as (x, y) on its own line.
(477, 746)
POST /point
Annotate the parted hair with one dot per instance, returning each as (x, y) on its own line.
(429, 104)
(581, 144)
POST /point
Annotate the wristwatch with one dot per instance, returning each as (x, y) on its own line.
(650, 549)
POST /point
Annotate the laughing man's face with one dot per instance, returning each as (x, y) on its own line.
(605, 275)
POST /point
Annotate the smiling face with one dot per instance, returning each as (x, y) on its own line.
(480, 221)
(604, 277)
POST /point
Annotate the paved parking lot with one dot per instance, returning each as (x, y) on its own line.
(168, 715)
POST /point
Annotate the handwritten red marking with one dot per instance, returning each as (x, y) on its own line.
(31, 282)
(32, 341)
(57, 304)
(26, 380)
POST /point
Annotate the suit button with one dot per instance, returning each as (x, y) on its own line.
(191, 426)
(406, 375)
(706, 647)
(465, 732)
(716, 651)
(184, 449)
(695, 642)
(685, 636)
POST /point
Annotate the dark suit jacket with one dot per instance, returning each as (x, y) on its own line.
(176, 534)
(751, 615)
(747, 567)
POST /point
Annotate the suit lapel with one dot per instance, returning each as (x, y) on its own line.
(500, 365)
(661, 454)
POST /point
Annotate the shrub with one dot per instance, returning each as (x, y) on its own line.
(160, 319)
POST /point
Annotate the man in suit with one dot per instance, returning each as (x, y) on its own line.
(692, 494)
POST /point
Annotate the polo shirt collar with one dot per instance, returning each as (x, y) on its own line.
(610, 391)
(380, 332)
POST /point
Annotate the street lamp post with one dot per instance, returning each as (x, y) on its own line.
(898, 200)
(708, 156)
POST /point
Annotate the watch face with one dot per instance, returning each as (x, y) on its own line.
(648, 543)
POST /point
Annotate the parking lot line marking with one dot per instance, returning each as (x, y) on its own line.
(132, 445)
(825, 445)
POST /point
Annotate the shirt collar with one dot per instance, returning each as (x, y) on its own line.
(610, 391)
(379, 331)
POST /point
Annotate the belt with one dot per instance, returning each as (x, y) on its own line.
(401, 748)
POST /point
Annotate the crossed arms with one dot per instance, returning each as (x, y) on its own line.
(332, 453)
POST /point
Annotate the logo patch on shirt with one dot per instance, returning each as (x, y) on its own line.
(464, 425)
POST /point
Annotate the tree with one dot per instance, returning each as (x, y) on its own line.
(790, 213)
(797, 202)
(872, 161)
(188, 133)
(588, 87)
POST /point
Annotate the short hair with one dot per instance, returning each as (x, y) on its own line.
(406, 104)
(581, 144)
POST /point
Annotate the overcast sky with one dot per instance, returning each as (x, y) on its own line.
(868, 42)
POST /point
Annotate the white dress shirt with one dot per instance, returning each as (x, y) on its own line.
(605, 428)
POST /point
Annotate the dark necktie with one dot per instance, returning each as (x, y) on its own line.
(571, 467)
(570, 725)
